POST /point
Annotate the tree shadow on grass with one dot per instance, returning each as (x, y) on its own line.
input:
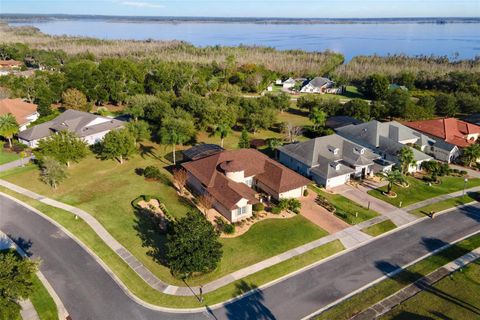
(407, 277)
(152, 236)
(147, 151)
(405, 315)
(250, 306)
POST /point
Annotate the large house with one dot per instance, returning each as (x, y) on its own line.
(91, 128)
(332, 160)
(452, 131)
(388, 138)
(24, 112)
(232, 178)
(317, 85)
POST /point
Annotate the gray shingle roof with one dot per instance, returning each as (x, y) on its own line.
(319, 82)
(73, 121)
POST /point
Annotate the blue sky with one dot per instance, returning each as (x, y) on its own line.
(249, 8)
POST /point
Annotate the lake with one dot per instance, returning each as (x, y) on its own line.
(350, 39)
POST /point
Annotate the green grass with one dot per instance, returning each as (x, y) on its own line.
(379, 228)
(106, 193)
(350, 93)
(83, 232)
(420, 190)
(374, 294)
(446, 204)
(43, 302)
(6, 157)
(455, 297)
(347, 210)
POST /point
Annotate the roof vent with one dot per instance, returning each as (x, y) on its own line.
(333, 149)
(358, 150)
(335, 165)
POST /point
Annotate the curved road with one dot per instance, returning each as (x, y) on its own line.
(88, 292)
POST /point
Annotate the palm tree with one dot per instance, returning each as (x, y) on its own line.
(8, 127)
(393, 177)
(223, 131)
(471, 154)
(406, 158)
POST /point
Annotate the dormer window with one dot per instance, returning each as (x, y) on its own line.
(358, 150)
(333, 150)
(335, 165)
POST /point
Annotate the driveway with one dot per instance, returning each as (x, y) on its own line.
(360, 196)
(320, 216)
(88, 291)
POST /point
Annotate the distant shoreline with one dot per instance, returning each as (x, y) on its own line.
(36, 18)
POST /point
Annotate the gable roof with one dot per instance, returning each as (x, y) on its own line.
(74, 121)
(18, 108)
(319, 82)
(209, 171)
(451, 130)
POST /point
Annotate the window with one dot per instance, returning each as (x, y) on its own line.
(241, 211)
(249, 182)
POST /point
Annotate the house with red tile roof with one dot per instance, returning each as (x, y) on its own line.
(234, 178)
(451, 130)
(24, 112)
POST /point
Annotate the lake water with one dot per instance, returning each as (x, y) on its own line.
(349, 39)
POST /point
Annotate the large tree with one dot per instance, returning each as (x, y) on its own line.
(222, 130)
(8, 127)
(471, 154)
(76, 100)
(177, 129)
(244, 141)
(140, 130)
(376, 87)
(52, 172)
(406, 158)
(16, 283)
(318, 117)
(64, 147)
(192, 246)
(118, 144)
(446, 105)
(358, 109)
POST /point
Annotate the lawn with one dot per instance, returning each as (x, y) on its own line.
(107, 192)
(446, 204)
(82, 231)
(455, 297)
(420, 190)
(347, 210)
(6, 157)
(379, 228)
(43, 302)
(376, 293)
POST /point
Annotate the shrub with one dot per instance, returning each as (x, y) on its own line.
(276, 210)
(463, 172)
(228, 228)
(152, 173)
(147, 198)
(305, 192)
(257, 207)
(323, 202)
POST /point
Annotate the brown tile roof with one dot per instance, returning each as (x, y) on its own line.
(18, 108)
(254, 163)
(451, 130)
(10, 63)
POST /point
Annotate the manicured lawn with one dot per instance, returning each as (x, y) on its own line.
(6, 157)
(455, 297)
(446, 204)
(43, 302)
(82, 231)
(379, 228)
(107, 191)
(372, 295)
(420, 190)
(347, 210)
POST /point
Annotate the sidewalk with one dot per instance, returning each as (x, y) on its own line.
(439, 198)
(16, 163)
(359, 195)
(350, 237)
(424, 283)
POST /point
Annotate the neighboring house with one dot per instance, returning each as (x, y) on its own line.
(232, 178)
(335, 122)
(289, 83)
(91, 128)
(24, 112)
(451, 130)
(332, 160)
(278, 82)
(317, 85)
(8, 66)
(388, 138)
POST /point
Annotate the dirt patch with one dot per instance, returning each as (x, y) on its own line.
(152, 205)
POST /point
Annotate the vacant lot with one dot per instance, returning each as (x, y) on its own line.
(455, 297)
(420, 190)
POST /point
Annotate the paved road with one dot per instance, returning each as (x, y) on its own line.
(89, 293)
